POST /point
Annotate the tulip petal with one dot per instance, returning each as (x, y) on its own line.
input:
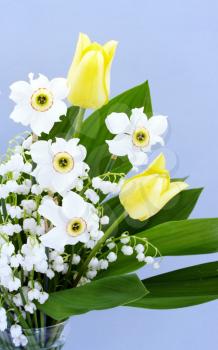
(87, 83)
(110, 48)
(158, 125)
(117, 123)
(55, 238)
(140, 196)
(120, 145)
(157, 165)
(174, 189)
(82, 44)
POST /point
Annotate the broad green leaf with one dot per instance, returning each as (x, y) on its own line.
(94, 131)
(186, 237)
(190, 286)
(102, 294)
(61, 128)
(179, 208)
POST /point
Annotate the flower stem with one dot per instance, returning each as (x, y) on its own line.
(77, 123)
(74, 130)
(111, 163)
(97, 247)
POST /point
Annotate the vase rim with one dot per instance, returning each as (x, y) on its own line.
(47, 327)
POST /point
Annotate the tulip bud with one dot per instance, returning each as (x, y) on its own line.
(146, 194)
(89, 75)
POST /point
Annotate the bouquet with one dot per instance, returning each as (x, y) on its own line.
(83, 207)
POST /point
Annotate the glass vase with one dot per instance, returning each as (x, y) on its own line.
(48, 338)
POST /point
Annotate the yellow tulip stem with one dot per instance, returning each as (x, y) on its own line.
(97, 247)
(78, 122)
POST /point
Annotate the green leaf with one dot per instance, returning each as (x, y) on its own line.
(97, 295)
(61, 128)
(186, 237)
(190, 286)
(94, 131)
(179, 208)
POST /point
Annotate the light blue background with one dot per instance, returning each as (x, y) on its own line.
(174, 44)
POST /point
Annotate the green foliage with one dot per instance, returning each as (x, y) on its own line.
(186, 237)
(186, 287)
(101, 294)
(64, 126)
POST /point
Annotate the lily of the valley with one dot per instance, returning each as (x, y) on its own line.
(135, 136)
(73, 221)
(147, 193)
(89, 74)
(58, 164)
(39, 103)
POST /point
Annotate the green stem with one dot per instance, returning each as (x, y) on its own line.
(98, 246)
(111, 163)
(78, 122)
(27, 314)
(75, 128)
(42, 320)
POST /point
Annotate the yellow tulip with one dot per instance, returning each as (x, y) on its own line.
(145, 194)
(89, 75)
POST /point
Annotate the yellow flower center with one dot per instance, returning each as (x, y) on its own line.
(63, 162)
(42, 100)
(141, 137)
(76, 227)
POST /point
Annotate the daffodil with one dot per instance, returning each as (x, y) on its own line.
(58, 164)
(147, 193)
(89, 74)
(73, 221)
(135, 136)
(39, 103)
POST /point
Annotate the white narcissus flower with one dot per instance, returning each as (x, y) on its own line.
(39, 102)
(59, 164)
(135, 136)
(73, 221)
